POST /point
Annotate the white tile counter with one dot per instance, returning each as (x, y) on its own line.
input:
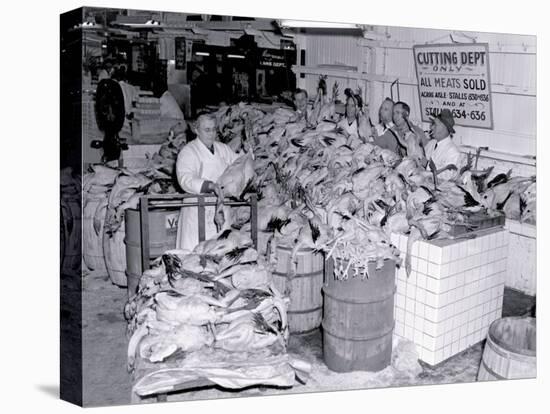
(454, 292)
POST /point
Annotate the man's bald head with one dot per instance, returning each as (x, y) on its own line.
(385, 113)
(206, 129)
(300, 100)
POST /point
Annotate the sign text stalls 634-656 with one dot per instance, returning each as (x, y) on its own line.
(455, 76)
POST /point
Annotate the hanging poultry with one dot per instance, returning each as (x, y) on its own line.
(238, 178)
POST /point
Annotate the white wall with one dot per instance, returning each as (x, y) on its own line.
(521, 266)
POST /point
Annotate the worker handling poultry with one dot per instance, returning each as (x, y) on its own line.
(199, 165)
(300, 103)
(441, 150)
(382, 132)
(354, 123)
(411, 137)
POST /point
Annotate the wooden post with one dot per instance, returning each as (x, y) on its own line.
(254, 219)
(145, 254)
(202, 219)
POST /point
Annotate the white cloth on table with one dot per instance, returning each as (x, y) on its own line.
(194, 165)
(169, 107)
(130, 95)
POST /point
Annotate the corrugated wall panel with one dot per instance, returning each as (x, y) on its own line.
(333, 50)
(330, 49)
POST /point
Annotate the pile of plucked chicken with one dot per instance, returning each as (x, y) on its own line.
(317, 190)
(217, 307)
(70, 204)
(125, 185)
(217, 302)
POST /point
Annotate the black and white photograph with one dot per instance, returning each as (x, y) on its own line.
(256, 206)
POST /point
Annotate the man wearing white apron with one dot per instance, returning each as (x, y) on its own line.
(199, 166)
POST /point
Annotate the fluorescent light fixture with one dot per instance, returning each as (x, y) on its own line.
(235, 56)
(148, 23)
(305, 24)
(88, 25)
(202, 53)
(171, 62)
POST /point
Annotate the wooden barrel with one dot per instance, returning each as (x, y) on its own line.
(71, 227)
(115, 256)
(306, 301)
(510, 351)
(358, 320)
(92, 237)
(163, 228)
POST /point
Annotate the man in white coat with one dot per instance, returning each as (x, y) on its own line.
(441, 149)
(198, 167)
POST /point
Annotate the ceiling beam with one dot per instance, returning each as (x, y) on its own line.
(263, 24)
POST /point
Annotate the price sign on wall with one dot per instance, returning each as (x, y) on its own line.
(455, 77)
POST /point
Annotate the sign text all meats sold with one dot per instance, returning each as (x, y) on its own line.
(455, 77)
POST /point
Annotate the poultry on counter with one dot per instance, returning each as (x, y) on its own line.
(199, 166)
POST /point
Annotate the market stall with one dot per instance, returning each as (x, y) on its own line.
(328, 243)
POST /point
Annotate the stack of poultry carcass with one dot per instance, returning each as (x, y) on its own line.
(70, 216)
(218, 296)
(329, 193)
(126, 191)
(237, 123)
(164, 160)
(96, 187)
(515, 196)
(316, 191)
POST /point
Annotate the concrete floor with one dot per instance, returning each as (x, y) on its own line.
(106, 381)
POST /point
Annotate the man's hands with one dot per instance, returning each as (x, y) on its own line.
(216, 189)
(450, 167)
(211, 187)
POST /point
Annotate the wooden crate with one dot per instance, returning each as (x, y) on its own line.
(480, 221)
